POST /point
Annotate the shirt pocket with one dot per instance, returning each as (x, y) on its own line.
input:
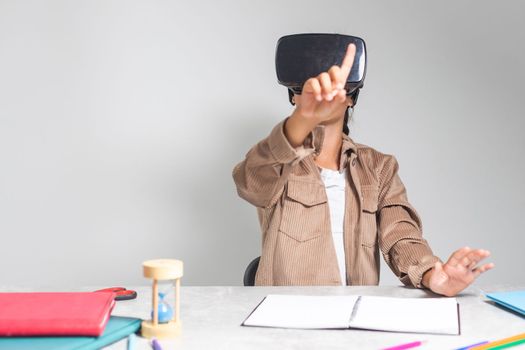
(305, 211)
(369, 206)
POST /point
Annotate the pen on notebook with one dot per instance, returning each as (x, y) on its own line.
(155, 344)
(132, 339)
(472, 345)
(406, 345)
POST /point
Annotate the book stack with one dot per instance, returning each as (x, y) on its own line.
(80, 320)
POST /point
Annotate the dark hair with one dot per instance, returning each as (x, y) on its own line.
(346, 130)
(354, 96)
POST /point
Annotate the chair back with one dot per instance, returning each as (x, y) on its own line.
(251, 270)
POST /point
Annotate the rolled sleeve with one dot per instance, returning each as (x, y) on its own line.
(281, 149)
(261, 176)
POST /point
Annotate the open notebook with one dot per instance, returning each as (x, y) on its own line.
(417, 315)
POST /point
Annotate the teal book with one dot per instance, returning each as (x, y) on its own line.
(116, 329)
(512, 300)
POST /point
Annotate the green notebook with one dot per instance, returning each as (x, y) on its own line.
(116, 329)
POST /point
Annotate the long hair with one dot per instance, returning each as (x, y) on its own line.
(346, 129)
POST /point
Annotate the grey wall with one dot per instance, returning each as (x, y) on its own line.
(120, 123)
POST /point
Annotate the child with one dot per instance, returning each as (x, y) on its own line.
(327, 206)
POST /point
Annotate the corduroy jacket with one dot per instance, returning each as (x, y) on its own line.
(285, 185)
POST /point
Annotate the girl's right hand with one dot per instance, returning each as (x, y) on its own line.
(321, 99)
(323, 94)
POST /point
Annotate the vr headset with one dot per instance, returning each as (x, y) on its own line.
(302, 56)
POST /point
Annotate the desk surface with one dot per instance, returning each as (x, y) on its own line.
(211, 318)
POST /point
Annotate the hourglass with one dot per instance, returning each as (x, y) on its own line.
(163, 270)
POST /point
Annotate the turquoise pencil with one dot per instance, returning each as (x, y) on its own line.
(132, 340)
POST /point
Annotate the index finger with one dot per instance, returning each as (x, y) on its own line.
(348, 61)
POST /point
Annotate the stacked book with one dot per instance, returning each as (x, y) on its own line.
(80, 320)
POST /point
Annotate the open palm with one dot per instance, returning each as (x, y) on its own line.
(459, 271)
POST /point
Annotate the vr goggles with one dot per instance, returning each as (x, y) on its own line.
(302, 56)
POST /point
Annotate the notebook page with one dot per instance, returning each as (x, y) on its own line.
(418, 315)
(301, 311)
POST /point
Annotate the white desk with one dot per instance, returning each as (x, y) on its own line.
(211, 318)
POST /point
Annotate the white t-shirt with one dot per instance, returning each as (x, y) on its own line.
(335, 183)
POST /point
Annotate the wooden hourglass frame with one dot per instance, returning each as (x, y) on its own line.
(162, 270)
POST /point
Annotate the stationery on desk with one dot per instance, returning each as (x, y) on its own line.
(56, 321)
(132, 342)
(414, 315)
(514, 300)
(155, 345)
(405, 346)
(502, 343)
(116, 329)
(33, 314)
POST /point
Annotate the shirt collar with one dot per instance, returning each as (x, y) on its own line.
(318, 138)
(347, 145)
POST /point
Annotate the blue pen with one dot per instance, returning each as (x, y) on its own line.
(473, 345)
(155, 344)
(132, 340)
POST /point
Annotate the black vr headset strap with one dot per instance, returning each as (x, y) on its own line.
(354, 96)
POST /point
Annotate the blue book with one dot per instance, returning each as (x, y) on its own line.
(512, 300)
(116, 329)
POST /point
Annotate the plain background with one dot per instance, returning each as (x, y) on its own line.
(121, 121)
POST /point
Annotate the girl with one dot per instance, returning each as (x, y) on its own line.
(327, 206)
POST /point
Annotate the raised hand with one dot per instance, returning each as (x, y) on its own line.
(322, 94)
(323, 98)
(458, 272)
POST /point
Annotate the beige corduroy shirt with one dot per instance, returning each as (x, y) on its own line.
(285, 185)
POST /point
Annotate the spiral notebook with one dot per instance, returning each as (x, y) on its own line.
(413, 315)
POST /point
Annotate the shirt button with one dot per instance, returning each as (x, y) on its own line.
(353, 162)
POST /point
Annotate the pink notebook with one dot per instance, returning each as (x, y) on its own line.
(69, 314)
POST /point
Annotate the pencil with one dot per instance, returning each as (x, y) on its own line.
(502, 343)
(405, 346)
(132, 339)
(468, 347)
(155, 344)
(508, 345)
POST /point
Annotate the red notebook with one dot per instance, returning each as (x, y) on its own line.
(71, 314)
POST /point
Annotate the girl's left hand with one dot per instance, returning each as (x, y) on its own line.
(458, 272)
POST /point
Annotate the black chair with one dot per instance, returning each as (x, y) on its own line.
(251, 270)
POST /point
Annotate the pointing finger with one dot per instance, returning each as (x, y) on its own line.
(348, 61)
